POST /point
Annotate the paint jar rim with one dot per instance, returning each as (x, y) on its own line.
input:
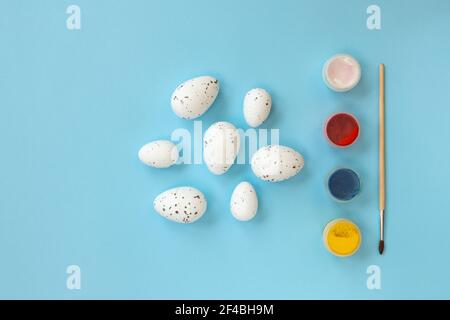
(325, 132)
(327, 228)
(328, 188)
(330, 84)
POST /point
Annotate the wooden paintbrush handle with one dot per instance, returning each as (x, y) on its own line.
(381, 142)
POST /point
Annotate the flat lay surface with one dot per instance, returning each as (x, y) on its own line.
(77, 105)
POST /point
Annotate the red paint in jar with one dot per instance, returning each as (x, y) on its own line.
(342, 129)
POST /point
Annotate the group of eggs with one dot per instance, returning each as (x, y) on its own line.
(221, 144)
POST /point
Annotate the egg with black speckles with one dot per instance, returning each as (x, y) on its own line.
(159, 154)
(244, 202)
(182, 204)
(276, 163)
(257, 106)
(193, 98)
(221, 144)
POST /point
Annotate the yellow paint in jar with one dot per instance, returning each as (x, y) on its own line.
(342, 237)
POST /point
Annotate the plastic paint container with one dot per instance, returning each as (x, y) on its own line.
(342, 237)
(342, 129)
(341, 72)
(344, 184)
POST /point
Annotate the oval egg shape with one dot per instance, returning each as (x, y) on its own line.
(182, 204)
(257, 106)
(276, 163)
(244, 202)
(159, 154)
(193, 98)
(221, 144)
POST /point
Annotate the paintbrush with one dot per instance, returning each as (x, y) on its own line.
(382, 193)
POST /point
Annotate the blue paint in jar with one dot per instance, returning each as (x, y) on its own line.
(344, 184)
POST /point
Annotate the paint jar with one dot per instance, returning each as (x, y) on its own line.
(342, 237)
(341, 72)
(343, 184)
(342, 129)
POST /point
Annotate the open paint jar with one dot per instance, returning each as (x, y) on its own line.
(344, 184)
(342, 237)
(341, 72)
(342, 129)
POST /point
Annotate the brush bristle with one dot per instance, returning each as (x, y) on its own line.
(381, 247)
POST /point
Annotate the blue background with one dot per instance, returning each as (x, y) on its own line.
(76, 106)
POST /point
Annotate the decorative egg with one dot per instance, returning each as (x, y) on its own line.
(257, 105)
(159, 154)
(276, 163)
(244, 202)
(182, 204)
(221, 144)
(193, 98)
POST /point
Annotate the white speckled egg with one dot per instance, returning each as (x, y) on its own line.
(193, 98)
(221, 144)
(159, 154)
(182, 204)
(257, 105)
(276, 163)
(244, 202)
